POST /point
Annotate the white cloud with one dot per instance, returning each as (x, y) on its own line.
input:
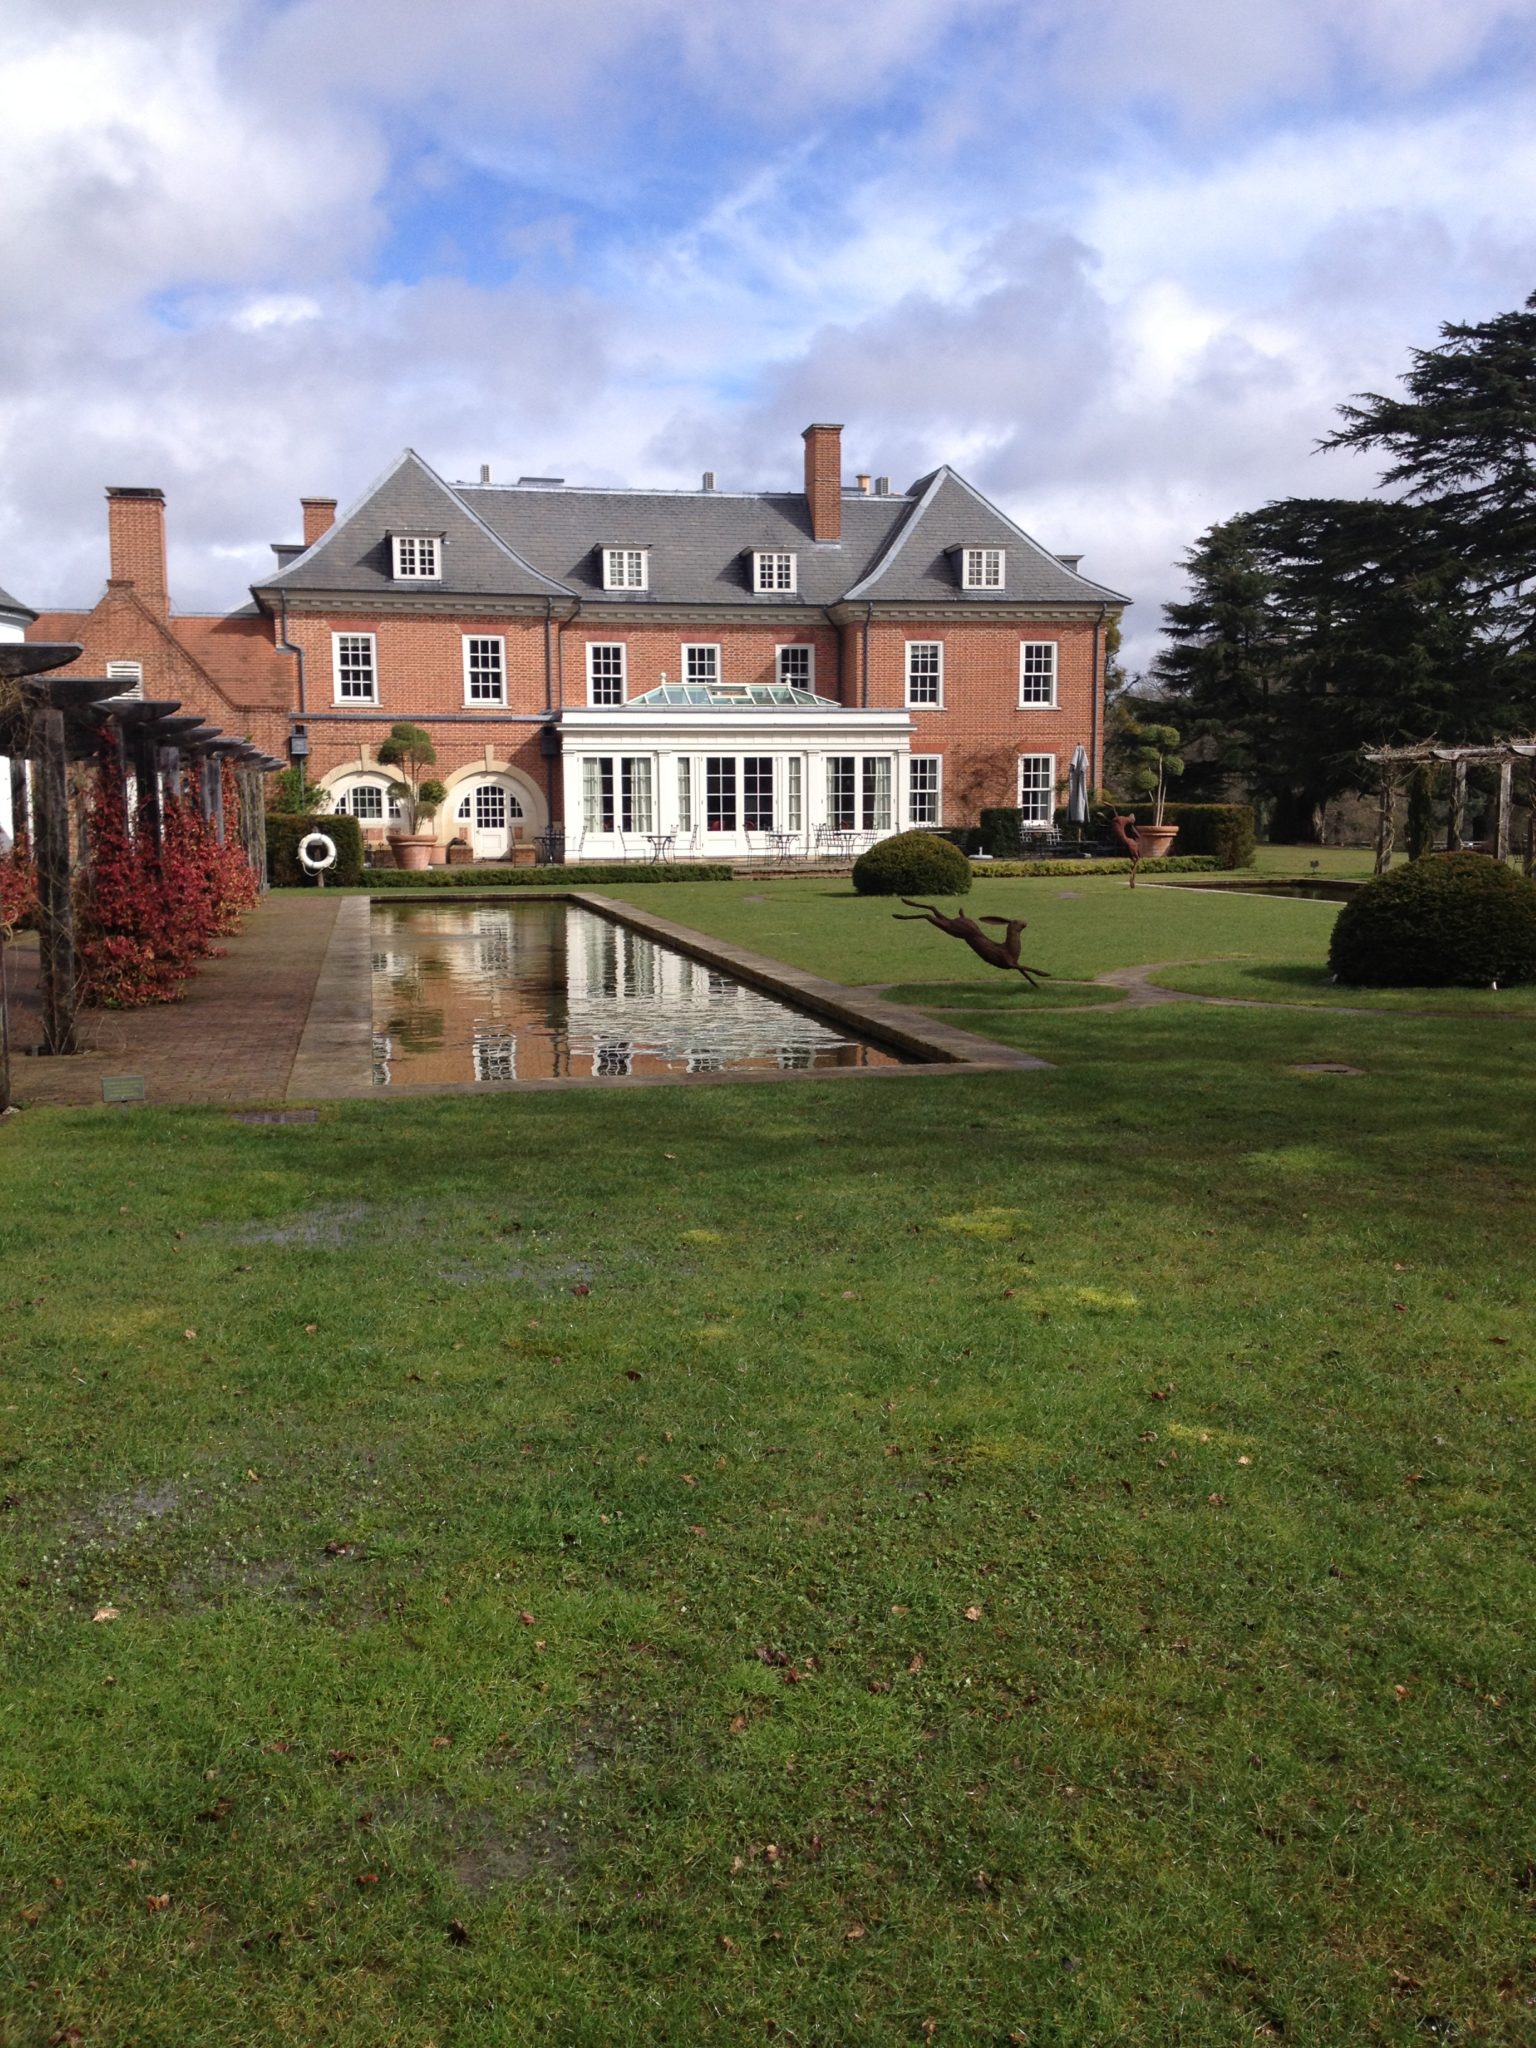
(1116, 259)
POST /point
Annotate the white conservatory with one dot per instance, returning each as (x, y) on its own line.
(719, 771)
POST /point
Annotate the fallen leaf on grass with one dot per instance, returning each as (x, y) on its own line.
(31, 1914)
(190, 1336)
(526, 1618)
(973, 1614)
(157, 1902)
(1216, 1500)
(105, 1614)
(342, 1757)
(916, 1665)
(442, 1742)
(366, 1877)
(1401, 1691)
(855, 1932)
(581, 1287)
(458, 1934)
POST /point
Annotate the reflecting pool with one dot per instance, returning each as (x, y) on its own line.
(534, 991)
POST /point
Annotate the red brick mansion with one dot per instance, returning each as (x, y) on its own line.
(709, 666)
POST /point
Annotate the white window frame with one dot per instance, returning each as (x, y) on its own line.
(1047, 792)
(498, 641)
(602, 703)
(924, 703)
(338, 695)
(936, 762)
(378, 779)
(774, 570)
(1026, 648)
(626, 568)
(975, 563)
(425, 557)
(700, 647)
(796, 647)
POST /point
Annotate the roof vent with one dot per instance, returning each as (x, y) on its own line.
(709, 480)
(548, 483)
(1069, 562)
(882, 487)
(862, 480)
(485, 472)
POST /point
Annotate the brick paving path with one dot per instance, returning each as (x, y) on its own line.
(232, 1038)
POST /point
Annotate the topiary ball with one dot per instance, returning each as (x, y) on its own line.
(1452, 920)
(912, 864)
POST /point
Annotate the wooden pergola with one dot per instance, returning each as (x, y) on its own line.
(48, 721)
(1500, 754)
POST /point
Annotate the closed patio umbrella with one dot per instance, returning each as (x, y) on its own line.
(1077, 788)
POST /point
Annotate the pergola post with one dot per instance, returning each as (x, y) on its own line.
(146, 783)
(1455, 830)
(1386, 823)
(21, 801)
(56, 927)
(213, 786)
(170, 772)
(1503, 804)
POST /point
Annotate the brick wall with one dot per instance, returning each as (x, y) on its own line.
(981, 731)
(117, 629)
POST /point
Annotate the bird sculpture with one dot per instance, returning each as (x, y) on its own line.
(1002, 953)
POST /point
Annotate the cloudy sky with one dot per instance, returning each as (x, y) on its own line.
(1117, 260)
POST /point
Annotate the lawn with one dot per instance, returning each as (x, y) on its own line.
(1076, 928)
(1034, 1557)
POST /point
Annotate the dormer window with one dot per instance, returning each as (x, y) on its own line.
(626, 568)
(773, 569)
(418, 557)
(981, 568)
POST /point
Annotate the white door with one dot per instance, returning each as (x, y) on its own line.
(487, 811)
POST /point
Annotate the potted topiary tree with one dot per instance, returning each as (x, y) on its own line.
(1150, 754)
(410, 749)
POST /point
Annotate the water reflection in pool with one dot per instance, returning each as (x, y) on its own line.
(532, 991)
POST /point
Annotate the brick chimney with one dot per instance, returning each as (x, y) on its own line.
(136, 543)
(824, 479)
(319, 517)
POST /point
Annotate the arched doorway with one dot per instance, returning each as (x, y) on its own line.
(491, 812)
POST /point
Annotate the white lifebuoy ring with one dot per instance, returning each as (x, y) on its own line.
(317, 853)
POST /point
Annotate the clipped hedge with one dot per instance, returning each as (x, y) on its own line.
(574, 877)
(284, 831)
(1449, 920)
(912, 864)
(1225, 830)
(998, 832)
(1177, 864)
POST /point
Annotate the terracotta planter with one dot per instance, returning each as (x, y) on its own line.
(412, 849)
(1156, 841)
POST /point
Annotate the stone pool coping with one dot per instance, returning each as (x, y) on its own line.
(335, 1055)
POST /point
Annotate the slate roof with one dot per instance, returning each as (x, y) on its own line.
(14, 606)
(701, 542)
(354, 554)
(538, 539)
(920, 564)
